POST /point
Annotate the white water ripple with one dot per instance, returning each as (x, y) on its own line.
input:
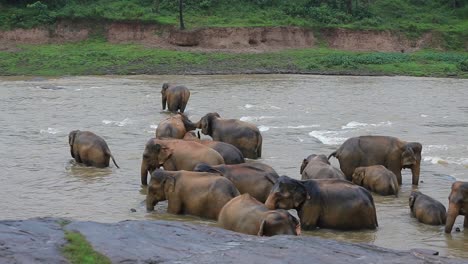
(122, 123)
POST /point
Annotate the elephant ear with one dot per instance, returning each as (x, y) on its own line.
(261, 231)
(411, 200)
(72, 136)
(358, 176)
(164, 154)
(164, 87)
(205, 125)
(408, 157)
(169, 184)
(303, 165)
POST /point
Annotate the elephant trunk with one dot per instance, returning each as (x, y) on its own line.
(452, 214)
(415, 170)
(144, 172)
(164, 99)
(270, 202)
(149, 204)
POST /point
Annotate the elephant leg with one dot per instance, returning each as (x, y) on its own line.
(397, 171)
(182, 106)
(348, 163)
(465, 223)
(174, 206)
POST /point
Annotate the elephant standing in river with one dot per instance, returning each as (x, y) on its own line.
(390, 152)
(187, 192)
(246, 215)
(376, 179)
(458, 205)
(245, 136)
(426, 209)
(325, 203)
(174, 127)
(89, 149)
(174, 155)
(318, 167)
(176, 97)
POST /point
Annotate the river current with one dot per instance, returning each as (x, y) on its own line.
(297, 114)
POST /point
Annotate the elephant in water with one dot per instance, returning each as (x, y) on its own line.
(458, 205)
(390, 152)
(89, 149)
(231, 154)
(176, 97)
(325, 203)
(174, 127)
(376, 179)
(175, 154)
(253, 178)
(426, 209)
(187, 192)
(245, 136)
(318, 167)
(246, 215)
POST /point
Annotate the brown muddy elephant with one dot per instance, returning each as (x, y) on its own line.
(176, 97)
(253, 178)
(245, 136)
(376, 179)
(244, 214)
(318, 167)
(426, 209)
(175, 154)
(89, 149)
(390, 152)
(174, 127)
(230, 154)
(325, 203)
(458, 205)
(187, 192)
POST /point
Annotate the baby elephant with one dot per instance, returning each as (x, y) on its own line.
(318, 167)
(426, 209)
(187, 192)
(246, 215)
(89, 149)
(377, 179)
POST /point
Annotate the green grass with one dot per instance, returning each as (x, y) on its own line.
(97, 57)
(79, 251)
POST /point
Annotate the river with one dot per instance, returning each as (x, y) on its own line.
(297, 114)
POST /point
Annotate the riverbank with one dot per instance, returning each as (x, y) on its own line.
(42, 240)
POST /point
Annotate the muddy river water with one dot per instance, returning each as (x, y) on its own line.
(297, 114)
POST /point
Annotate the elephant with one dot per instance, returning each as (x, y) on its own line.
(325, 203)
(243, 135)
(426, 209)
(318, 167)
(175, 154)
(174, 127)
(176, 97)
(231, 154)
(376, 179)
(244, 214)
(187, 192)
(89, 149)
(390, 152)
(256, 179)
(458, 205)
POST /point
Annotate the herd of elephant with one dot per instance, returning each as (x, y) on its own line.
(211, 179)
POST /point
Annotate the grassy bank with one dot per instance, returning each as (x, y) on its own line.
(99, 57)
(79, 251)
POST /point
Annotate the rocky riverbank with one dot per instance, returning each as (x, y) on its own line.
(40, 240)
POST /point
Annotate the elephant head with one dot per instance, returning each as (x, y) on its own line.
(411, 158)
(358, 175)
(71, 140)
(164, 95)
(206, 123)
(458, 204)
(287, 194)
(412, 198)
(161, 184)
(311, 157)
(189, 125)
(154, 156)
(279, 222)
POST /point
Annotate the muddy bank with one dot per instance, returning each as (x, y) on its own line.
(246, 39)
(40, 240)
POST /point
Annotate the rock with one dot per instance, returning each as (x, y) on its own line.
(133, 210)
(31, 241)
(422, 251)
(457, 229)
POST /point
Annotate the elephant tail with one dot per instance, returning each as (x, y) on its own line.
(259, 145)
(333, 154)
(113, 160)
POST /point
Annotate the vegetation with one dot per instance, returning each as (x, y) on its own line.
(97, 57)
(79, 251)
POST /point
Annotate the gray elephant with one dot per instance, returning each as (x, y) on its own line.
(245, 136)
(376, 179)
(318, 167)
(458, 205)
(426, 209)
(187, 192)
(246, 215)
(89, 149)
(174, 127)
(390, 152)
(176, 97)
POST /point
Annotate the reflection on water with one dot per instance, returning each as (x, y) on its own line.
(298, 115)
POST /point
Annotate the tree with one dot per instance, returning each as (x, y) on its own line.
(181, 18)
